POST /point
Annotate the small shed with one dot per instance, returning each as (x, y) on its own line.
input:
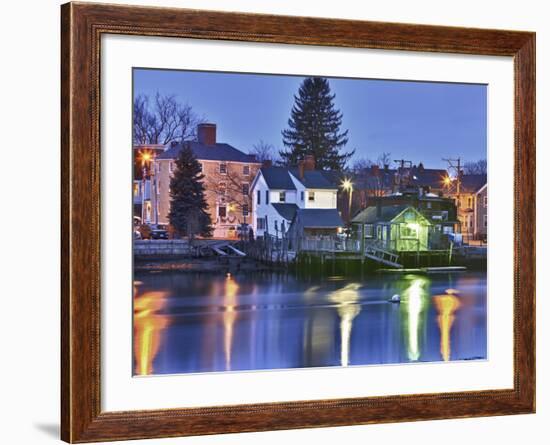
(394, 227)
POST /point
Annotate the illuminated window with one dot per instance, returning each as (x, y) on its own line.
(409, 231)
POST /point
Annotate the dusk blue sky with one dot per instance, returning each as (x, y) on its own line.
(417, 121)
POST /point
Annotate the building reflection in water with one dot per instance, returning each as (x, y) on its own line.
(446, 305)
(149, 326)
(414, 302)
(348, 308)
(231, 290)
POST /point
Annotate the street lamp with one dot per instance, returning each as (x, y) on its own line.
(348, 186)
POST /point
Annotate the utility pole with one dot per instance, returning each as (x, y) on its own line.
(403, 164)
(454, 164)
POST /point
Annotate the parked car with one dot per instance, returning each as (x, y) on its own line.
(159, 234)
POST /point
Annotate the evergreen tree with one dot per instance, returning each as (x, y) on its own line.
(314, 127)
(188, 208)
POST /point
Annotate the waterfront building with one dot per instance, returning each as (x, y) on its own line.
(413, 219)
(228, 173)
(471, 201)
(280, 194)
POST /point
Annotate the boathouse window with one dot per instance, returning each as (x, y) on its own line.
(369, 230)
(222, 211)
(223, 168)
(311, 196)
(282, 196)
(409, 231)
(259, 197)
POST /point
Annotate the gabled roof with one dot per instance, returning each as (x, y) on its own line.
(317, 179)
(215, 152)
(387, 214)
(287, 211)
(319, 218)
(277, 178)
(471, 183)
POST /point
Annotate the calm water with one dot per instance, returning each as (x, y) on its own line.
(187, 322)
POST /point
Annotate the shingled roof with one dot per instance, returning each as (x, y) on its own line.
(387, 213)
(277, 178)
(317, 179)
(214, 152)
(319, 218)
(287, 211)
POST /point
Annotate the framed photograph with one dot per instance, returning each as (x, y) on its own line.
(275, 222)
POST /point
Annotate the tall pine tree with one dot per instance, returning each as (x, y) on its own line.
(314, 127)
(188, 208)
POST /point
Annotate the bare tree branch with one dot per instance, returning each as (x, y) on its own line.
(163, 121)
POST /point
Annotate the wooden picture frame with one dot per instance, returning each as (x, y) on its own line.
(82, 26)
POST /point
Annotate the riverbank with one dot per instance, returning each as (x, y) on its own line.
(211, 264)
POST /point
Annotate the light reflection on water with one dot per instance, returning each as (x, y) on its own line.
(200, 323)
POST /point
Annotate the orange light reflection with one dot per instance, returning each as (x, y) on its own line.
(446, 306)
(148, 329)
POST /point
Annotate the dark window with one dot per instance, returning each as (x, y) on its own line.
(311, 196)
(260, 224)
(245, 189)
(267, 196)
(222, 211)
(223, 168)
(302, 195)
(245, 209)
(282, 196)
(246, 170)
(369, 230)
(259, 197)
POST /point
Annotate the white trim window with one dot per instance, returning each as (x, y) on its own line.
(311, 196)
(246, 170)
(223, 168)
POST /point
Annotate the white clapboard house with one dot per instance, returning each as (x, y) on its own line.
(280, 193)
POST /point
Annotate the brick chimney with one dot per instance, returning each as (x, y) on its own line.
(206, 134)
(306, 164)
(309, 162)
